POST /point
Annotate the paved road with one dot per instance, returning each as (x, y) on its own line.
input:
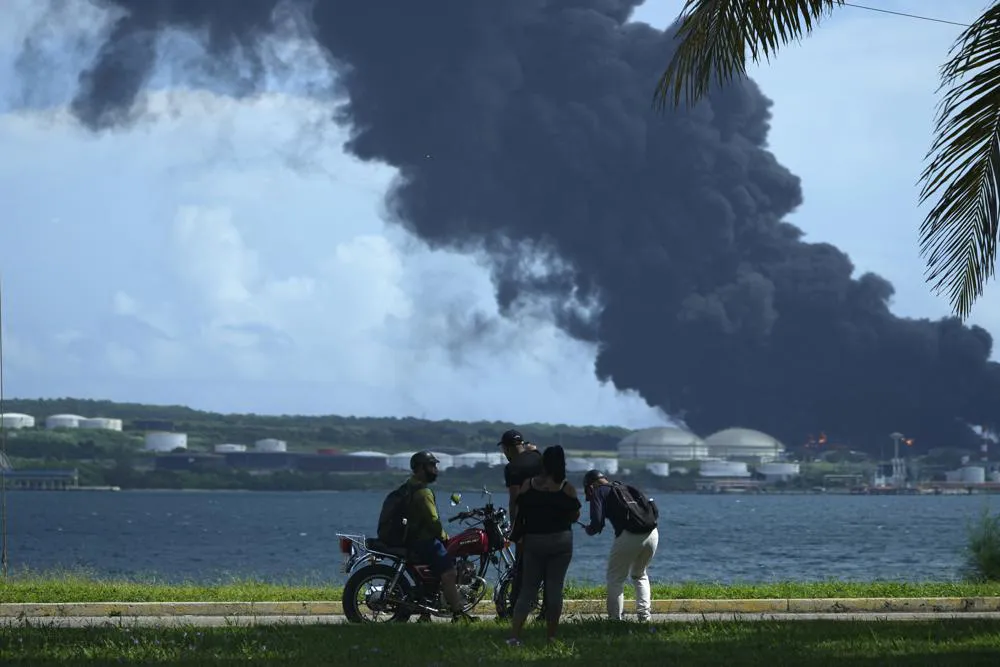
(223, 621)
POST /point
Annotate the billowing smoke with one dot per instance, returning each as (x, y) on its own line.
(526, 126)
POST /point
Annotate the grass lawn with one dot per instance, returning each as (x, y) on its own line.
(74, 588)
(957, 642)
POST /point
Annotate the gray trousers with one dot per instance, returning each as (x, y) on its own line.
(546, 556)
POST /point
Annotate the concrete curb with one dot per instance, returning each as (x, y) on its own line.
(332, 608)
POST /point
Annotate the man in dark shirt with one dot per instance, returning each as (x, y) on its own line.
(524, 461)
(630, 552)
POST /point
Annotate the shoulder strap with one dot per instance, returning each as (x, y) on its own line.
(563, 485)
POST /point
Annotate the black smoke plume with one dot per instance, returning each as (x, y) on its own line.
(526, 125)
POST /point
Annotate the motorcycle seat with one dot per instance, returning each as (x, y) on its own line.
(373, 544)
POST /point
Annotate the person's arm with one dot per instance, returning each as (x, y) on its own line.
(596, 511)
(571, 492)
(424, 502)
(512, 491)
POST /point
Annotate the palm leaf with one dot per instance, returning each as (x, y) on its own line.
(715, 35)
(959, 235)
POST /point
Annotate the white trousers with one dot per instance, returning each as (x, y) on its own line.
(630, 556)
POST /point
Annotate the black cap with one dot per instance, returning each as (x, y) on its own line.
(592, 476)
(422, 459)
(511, 438)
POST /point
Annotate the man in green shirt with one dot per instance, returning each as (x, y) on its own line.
(426, 535)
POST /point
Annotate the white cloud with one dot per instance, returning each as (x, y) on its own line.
(187, 261)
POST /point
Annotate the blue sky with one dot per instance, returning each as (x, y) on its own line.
(195, 259)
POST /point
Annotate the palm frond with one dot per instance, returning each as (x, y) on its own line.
(959, 235)
(716, 34)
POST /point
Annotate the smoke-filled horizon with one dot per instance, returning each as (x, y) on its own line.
(526, 126)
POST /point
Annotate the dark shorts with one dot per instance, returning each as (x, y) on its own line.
(435, 555)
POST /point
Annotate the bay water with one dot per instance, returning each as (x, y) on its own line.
(289, 537)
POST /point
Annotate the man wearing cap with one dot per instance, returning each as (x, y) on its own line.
(426, 533)
(630, 552)
(524, 461)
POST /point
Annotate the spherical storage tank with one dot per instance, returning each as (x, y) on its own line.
(270, 445)
(17, 420)
(723, 469)
(973, 474)
(63, 421)
(665, 443)
(101, 423)
(164, 441)
(228, 448)
(743, 443)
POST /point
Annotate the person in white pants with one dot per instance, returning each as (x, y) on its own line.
(631, 552)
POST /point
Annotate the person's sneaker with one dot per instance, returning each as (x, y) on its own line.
(514, 642)
(462, 617)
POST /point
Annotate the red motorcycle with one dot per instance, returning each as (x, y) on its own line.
(389, 583)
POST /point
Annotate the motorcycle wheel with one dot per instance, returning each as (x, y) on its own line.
(503, 602)
(360, 583)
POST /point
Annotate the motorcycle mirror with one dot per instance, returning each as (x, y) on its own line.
(456, 498)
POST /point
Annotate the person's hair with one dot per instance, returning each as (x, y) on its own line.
(554, 463)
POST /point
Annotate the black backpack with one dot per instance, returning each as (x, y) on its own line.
(639, 510)
(392, 528)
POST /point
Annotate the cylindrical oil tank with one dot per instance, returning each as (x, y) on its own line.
(973, 474)
(995, 476)
(63, 421)
(778, 471)
(164, 441)
(400, 461)
(13, 420)
(228, 448)
(445, 461)
(723, 469)
(659, 469)
(608, 466)
(270, 445)
(576, 464)
(101, 423)
(469, 460)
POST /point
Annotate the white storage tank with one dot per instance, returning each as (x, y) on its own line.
(665, 443)
(229, 448)
(723, 469)
(995, 476)
(165, 441)
(101, 423)
(63, 421)
(445, 461)
(575, 464)
(659, 469)
(399, 461)
(13, 420)
(608, 466)
(744, 443)
(973, 475)
(776, 472)
(270, 445)
(470, 460)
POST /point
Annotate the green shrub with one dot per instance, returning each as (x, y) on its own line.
(982, 561)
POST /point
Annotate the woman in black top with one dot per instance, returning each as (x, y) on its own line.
(547, 506)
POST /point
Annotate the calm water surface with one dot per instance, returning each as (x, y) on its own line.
(209, 536)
